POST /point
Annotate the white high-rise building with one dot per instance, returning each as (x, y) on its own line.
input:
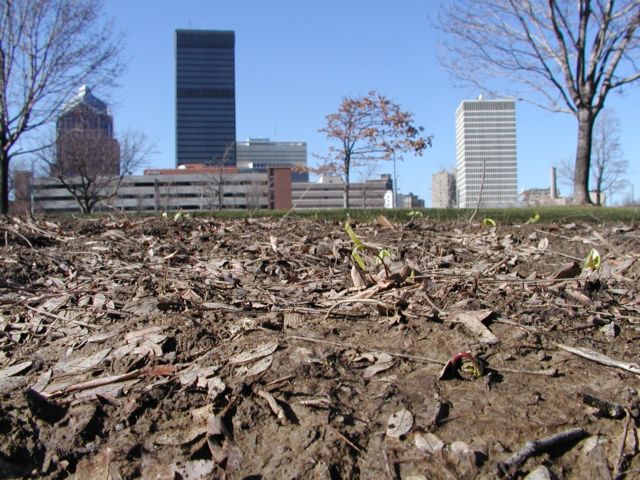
(486, 153)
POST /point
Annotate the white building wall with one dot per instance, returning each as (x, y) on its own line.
(486, 153)
(443, 187)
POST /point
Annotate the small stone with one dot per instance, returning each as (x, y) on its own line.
(540, 473)
(542, 356)
(611, 330)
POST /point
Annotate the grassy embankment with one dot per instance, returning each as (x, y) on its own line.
(566, 214)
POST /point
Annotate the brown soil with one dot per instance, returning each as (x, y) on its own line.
(250, 353)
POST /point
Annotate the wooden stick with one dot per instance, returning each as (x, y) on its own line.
(509, 467)
(550, 372)
(600, 358)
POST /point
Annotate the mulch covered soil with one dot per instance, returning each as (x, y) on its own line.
(202, 348)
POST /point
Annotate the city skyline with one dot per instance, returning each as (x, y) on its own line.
(291, 73)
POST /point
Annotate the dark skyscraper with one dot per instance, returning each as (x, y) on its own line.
(205, 97)
(84, 138)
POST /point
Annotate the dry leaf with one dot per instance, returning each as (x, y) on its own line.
(356, 278)
(80, 364)
(472, 321)
(384, 362)
(384, 222)
(400, 423)
(256, 353)
(15, 369)
(259, 367)
(428, 443)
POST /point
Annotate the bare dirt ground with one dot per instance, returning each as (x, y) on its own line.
(200, 348)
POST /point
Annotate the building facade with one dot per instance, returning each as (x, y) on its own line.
(205, 97)
(260, 153)
(486, 170)
(84, 138)
(200, 187)
(443, 190)
(329, 193)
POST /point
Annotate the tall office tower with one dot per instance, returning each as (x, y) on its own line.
(486, 153)
(443, 190)
(205, 97)
(84, 138)
(261, 153)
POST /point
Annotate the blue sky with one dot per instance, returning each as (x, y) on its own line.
(295, 60)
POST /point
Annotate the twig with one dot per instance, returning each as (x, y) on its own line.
(15, 232)
(605, 408)
(159, 370)
(356, 300)
(475, 212)
(623, 442)
(361, 347)
(391, 475)
(550, 372)
(295, 205)
(59, 317)
(600, 358)
(433, 305)
(346, 440)
(532, 448)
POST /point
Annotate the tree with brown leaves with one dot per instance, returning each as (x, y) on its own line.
(366, 129)
(568, 55)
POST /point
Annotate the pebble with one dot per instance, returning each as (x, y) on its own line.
(540, 473)
(611, 330)
(542, 356)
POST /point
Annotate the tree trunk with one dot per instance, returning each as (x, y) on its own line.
(346, 185)
(4, 181)
(583, 158)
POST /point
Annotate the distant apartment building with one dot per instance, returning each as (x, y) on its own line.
(443, 190)
(84, 138)
(486, 173)
(261, 153)
(205, 97)
(409, 200)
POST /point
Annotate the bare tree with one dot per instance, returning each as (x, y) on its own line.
(255, 192)
(608, 165)
(369, 128)
(91, 167)
(213, 180)
(367, 173)
(47, 49)
(567, 55)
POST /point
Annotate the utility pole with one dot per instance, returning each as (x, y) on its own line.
(395, 182)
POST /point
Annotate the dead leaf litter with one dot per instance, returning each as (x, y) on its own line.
(207, 348)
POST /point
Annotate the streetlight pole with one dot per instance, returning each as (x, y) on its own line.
(395, 182)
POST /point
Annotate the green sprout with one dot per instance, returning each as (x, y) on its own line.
(488, 222)
(533, 219)
(358, 245)
(592, 261)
